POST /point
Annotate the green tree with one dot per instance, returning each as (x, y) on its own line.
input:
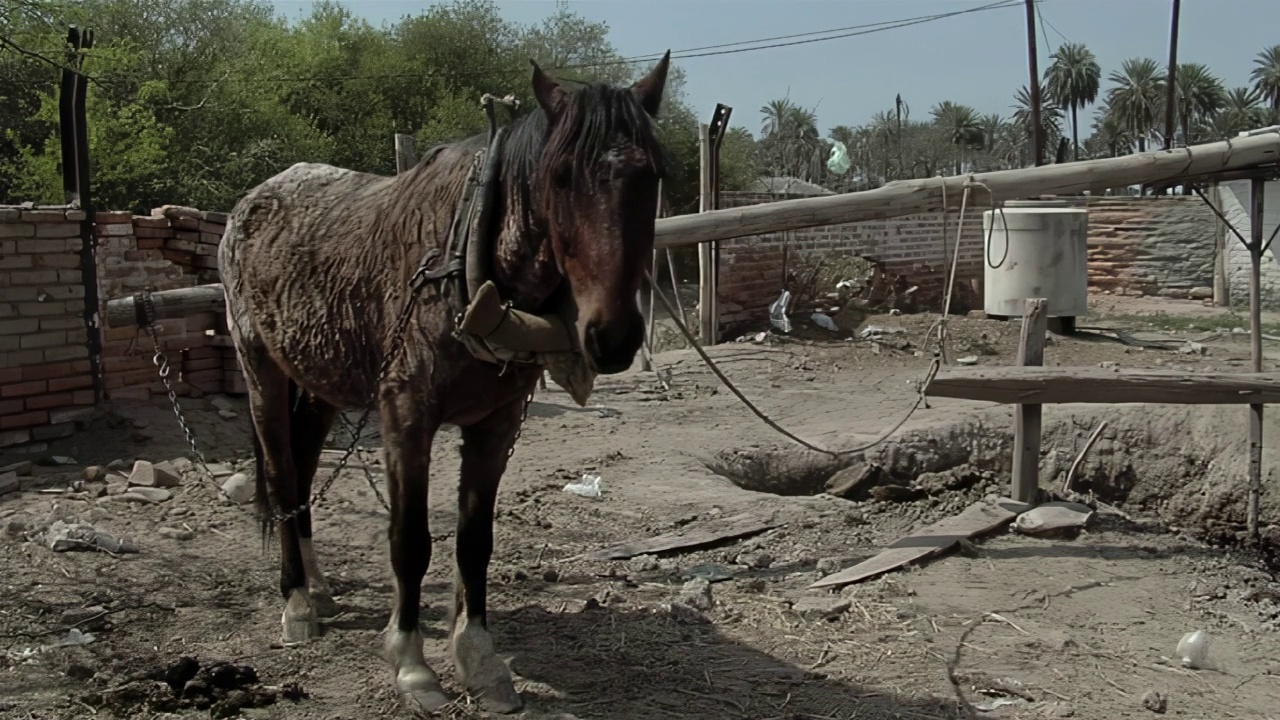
(962, 125)
(1137, 97)
(1071, 82)
(1266, 76)
(1050, 118)
(1198, 96)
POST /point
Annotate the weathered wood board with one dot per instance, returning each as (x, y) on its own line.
(1054, 385)
(685, 538)
(977, 519)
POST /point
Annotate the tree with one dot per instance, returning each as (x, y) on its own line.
(1137, 97)
(1050, 117)
(961, 123)
(790, 143)
(1198, 96)
(1266, 76)
(1071, 81)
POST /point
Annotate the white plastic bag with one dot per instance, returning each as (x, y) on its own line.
(838, 162)
(588, 486)
(778, 312)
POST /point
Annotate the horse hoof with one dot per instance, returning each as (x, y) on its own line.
(299, 623)
(500, 697)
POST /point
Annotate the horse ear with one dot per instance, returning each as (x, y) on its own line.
(548, 92)
(648, 89)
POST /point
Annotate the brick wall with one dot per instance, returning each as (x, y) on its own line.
(1235, 206)
(45, 381)
(1154, 245)
(1151, 245)
(44, 357)
(753, 269)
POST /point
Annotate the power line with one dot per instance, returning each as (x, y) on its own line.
(684, 54)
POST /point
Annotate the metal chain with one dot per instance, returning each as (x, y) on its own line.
(162, 366)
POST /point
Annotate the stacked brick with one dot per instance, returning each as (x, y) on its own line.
(1162, 245)
(174, 247)
(45, 383)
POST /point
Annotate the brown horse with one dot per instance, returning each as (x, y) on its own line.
(318, 262)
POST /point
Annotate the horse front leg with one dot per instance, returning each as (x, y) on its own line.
(485, 448)
(408, 431)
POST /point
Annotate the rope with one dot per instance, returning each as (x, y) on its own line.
(693, 342)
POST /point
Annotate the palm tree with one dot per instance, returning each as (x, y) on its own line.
(1050, 115)
(962, 125)
(1199, 96)
(790, 139)
(1266, 76)
(1241, 110)
(1137, 97)
(1072, 82)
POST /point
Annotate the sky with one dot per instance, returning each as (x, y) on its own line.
(978, 59)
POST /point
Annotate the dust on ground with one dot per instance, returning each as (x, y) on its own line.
(1008, 627)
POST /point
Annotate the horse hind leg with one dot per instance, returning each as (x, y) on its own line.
(277, 487)
(484, 460)
(310, 420)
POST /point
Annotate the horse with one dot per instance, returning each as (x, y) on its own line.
(320, 266)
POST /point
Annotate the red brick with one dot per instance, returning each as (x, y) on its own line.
(10, 375)
(150, 243)
(179, 257)
(13, 407)
(24, 420)
(105, 217)
(44, 372)
(191, 366)
(83, 397)
(56, 261)
(47, 402)
(70, 383)
(23, 389)
(144, 221)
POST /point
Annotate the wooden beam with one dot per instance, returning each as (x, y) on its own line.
(1061, 385)
(911, 196)
(1026, 418)
(168, 304)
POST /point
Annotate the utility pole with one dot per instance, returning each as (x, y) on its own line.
(1037, 131)
(1171, 83)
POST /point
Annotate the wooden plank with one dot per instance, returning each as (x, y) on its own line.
(686, 538)
(977, 519)
(1058, 385)
(905, 197)
(1026, 419)
(169, 304)
(406, 152)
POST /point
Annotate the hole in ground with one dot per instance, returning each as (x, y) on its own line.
(776, 470)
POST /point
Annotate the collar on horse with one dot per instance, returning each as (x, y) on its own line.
(489, 327)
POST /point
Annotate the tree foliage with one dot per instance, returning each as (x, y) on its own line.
(196, 101)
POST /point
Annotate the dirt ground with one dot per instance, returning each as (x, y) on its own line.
(1009, 626)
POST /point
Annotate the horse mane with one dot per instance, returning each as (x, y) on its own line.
(596, 118)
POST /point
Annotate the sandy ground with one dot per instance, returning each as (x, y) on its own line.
(1007, 627)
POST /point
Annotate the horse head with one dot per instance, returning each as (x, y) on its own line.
(598, 193)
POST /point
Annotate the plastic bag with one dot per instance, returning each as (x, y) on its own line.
(838, 162)
(778, 312)
(588, 486)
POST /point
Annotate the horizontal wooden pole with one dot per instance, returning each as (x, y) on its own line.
(1058, 385)
(168, 304)
(905, 197)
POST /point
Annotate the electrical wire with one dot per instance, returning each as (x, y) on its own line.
(769, 43)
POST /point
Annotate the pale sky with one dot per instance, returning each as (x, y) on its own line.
(979, 59)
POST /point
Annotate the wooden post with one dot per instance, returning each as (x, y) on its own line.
(1221, 291)
(1257, 192)
(1026, 427)
(1037, 130)
(707, 311)
(406, 152)
(646, 298)
(1171, 82)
